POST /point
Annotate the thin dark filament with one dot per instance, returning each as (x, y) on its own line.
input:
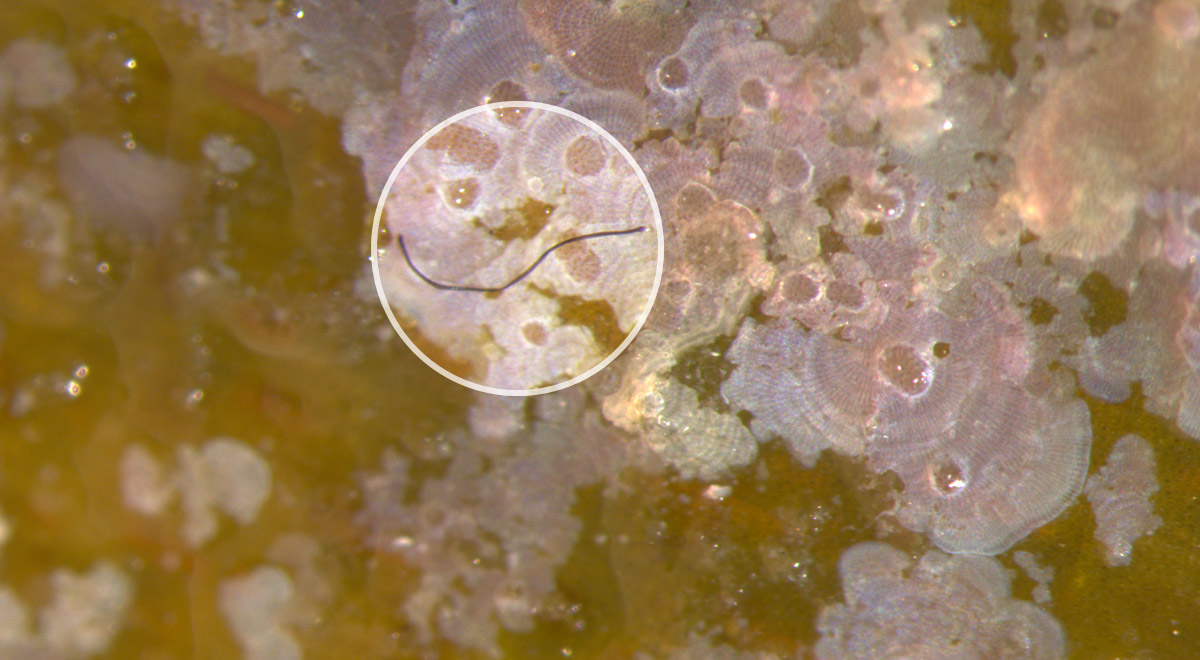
(523, 274)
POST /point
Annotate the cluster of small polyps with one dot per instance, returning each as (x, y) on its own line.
(940, 607)
(1120, 498)
(939, 401)
(854, 245)
(751, 131)
(478, 204)
(716, 262)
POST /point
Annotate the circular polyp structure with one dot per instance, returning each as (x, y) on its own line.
(517, 248)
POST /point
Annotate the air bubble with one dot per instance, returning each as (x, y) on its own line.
(462, 194)
(904, 369)
(946, 477)
(886, 204)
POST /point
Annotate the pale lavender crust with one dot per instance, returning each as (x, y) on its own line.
(837, 180)
(938, 606)
(1120, 497)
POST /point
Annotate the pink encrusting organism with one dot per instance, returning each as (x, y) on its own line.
(1120, 497)
(939, 401)
(886, 237)
(937, 606)
(1108, 130)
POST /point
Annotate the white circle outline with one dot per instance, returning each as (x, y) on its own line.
(534, 105)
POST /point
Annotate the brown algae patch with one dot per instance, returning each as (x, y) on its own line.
(524, 221)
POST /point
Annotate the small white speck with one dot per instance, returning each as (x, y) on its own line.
(227, 155)
(402, 542)
(717, 493)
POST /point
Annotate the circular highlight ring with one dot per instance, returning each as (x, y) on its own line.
(612, 142)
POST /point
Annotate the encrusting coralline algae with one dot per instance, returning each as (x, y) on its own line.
(879, 242)
(1120, 497)
(939, 606)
